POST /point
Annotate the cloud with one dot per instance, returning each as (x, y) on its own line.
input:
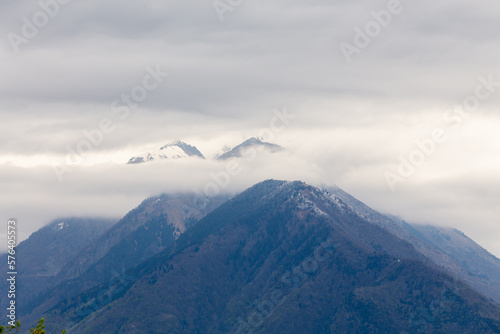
(353, 120)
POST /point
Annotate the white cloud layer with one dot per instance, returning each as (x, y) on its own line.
(353, 120)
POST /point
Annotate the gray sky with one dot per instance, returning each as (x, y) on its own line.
(403, 80)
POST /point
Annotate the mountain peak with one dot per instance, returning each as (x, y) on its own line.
(251, 143)
(174, 150)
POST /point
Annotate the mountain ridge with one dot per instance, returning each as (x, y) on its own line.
(42, 256)
(451, 259)
(150, 227)
(249, 144)
(242, 251)
(174, 150)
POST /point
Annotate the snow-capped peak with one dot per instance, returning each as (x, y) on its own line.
(174, 150)
(238, 151)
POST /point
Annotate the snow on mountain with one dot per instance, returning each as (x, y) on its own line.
(174, 150)
(60, 226)
(252, 143)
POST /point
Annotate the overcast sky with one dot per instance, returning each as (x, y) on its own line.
(357, 84)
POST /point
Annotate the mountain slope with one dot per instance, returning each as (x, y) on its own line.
(448, 248)
(142, 233)
(481, 268)
(42, 256)
(174, 150)
(250, 144)
(288, 257)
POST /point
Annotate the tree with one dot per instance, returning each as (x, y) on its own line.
(39, 329)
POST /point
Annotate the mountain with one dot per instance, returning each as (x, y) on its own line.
(148, 229)
(446, 247)
(250, 144)
(283, 257)
(174, 150)
(479, 268)
(42, 256)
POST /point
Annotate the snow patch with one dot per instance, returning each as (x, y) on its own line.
(307, 204)
(60, 226)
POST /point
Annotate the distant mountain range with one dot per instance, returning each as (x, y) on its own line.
(281, 257)
(179, 149)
